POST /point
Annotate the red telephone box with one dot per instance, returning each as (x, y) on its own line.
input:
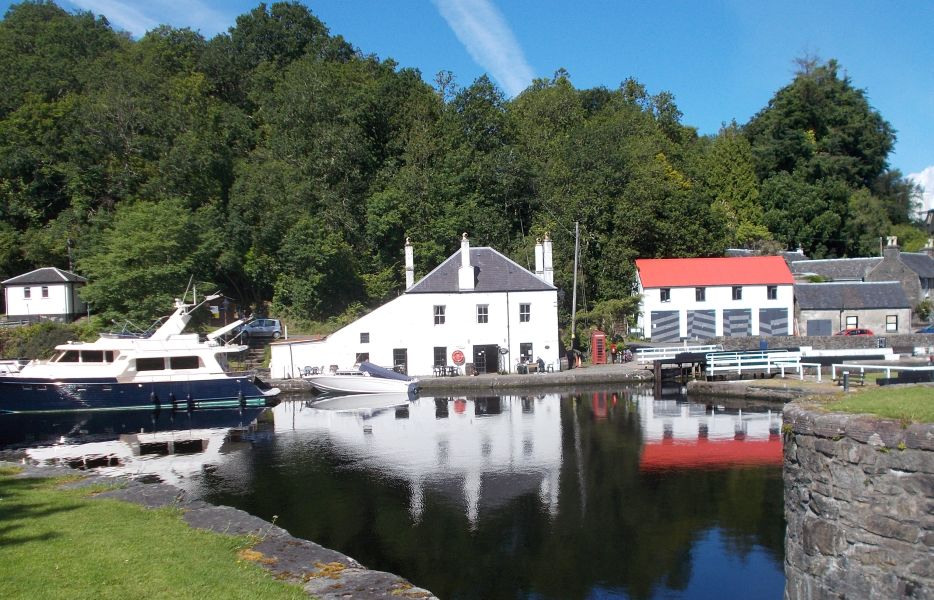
(598, 347)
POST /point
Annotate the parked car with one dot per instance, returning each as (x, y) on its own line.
(928, 329)
(855, 332)
(262, 328)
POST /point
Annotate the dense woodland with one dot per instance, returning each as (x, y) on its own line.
(284, 166)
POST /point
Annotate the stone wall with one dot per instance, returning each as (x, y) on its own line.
(898, 342)
(859, 505)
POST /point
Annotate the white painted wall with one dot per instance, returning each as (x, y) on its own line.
(61, 300)
(718, 298)
(408, 322)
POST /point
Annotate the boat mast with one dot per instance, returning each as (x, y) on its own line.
(574, 292)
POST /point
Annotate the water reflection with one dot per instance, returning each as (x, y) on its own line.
(163, 445)
(532, 496)
(603, 494)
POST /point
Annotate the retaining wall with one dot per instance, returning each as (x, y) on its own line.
(859, 505)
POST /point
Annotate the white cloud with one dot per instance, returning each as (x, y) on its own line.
(926, 180)
(138, 18)
(483, 31)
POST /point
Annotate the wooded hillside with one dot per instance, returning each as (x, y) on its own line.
(280, 163)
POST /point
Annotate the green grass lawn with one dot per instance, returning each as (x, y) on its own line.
(59, 543)
(905, 403)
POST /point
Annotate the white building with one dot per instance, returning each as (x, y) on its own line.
(47, 293)
(702, 298)
(477, 307)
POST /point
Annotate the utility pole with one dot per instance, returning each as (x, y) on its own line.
(574, 292)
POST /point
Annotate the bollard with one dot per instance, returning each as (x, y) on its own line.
(846, 381)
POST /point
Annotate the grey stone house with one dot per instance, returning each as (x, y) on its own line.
(826, 308)
(914, 271)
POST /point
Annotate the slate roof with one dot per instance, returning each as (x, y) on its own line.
(854, 269)
(690, 272)
(789, 255)
(494, 273)
(849, 295)
(919, 262)
(857, 269)
(45, 275)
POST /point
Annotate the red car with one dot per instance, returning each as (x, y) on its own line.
(855, 332)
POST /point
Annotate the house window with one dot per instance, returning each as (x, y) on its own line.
(27, 293)
(525, 313)
(439, 314)
(700, 294)
(525, 352)
(852, 322)
(891, 323)
(737, 292)
(441, 356)
(665, 294)
(45, 291)
(365, 337)
(771, 292)
(483, 313)
(361, 357)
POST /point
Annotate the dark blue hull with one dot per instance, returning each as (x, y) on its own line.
(18, 394)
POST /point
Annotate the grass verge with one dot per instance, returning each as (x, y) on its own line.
(905, 403)
(60, 543)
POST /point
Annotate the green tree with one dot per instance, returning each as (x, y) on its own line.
(142, 259)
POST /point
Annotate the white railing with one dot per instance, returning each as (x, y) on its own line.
(773, 360)
(887, 369)
(647, 355)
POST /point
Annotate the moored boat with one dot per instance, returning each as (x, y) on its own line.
(167, 368)
(367, 378)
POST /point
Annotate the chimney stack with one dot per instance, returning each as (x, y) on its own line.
(547, 259)
(539, 260)
(891, 248)
(409, 264)
(465, 275)
(929, 247)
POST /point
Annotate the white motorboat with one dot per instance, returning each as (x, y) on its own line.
(132, 372)
(366, 379)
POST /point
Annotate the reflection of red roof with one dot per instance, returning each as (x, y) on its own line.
(711, 454)
(689, 272)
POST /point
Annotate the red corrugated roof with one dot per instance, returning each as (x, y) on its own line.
(690, 272)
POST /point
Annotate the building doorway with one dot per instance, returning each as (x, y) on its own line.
(486, 358)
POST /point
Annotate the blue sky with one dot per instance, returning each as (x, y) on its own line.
(722, 59)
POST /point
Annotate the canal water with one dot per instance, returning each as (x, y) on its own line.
(587, 495)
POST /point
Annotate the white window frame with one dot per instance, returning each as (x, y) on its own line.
(483, 313)
(439, 314)
(525, 313)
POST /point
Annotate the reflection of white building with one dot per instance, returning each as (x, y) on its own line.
(476, 307)
(481, 452)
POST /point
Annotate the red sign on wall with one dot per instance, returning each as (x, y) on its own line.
(458, 357)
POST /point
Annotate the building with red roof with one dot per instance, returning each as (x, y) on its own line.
(702, 298)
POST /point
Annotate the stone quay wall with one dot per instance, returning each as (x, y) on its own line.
(859, 506)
